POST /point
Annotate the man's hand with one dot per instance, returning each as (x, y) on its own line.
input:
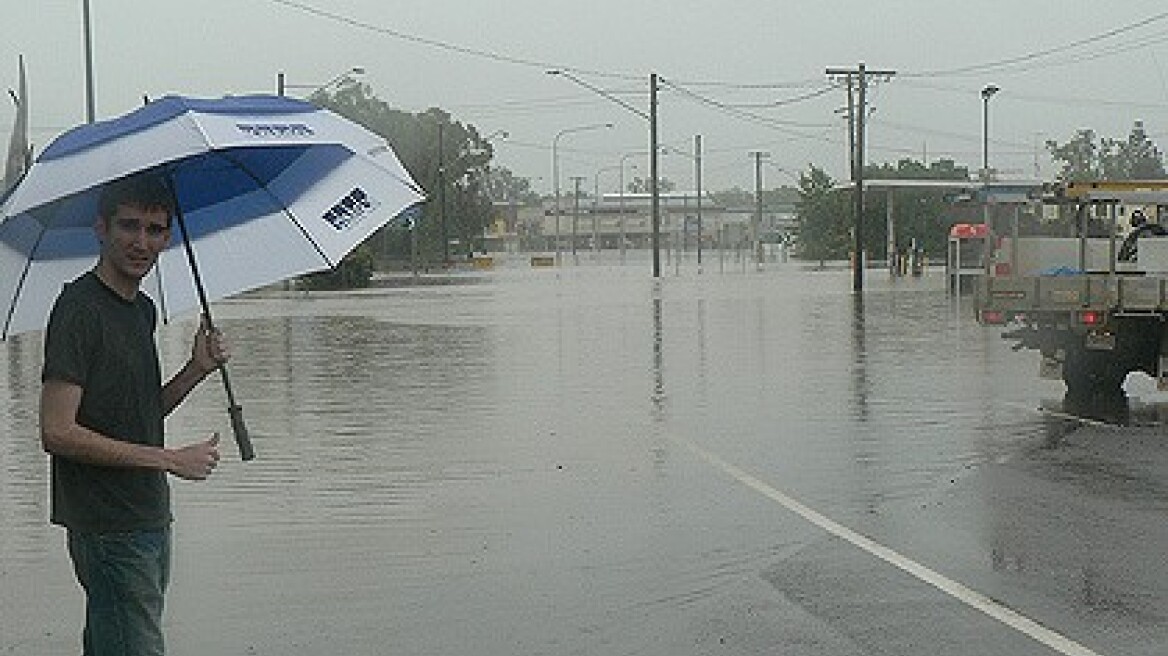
(208, 353)
(195, 462)
(210, 348)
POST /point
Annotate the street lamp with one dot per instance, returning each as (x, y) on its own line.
(282, 86)
(596, 205)
(622, 199)
(556, 170)
(986, 93)
(88, 34)
(798, 184)
(696, 157)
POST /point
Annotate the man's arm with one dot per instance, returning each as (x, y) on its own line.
(207, 354)
(62, 436)
(181, 384)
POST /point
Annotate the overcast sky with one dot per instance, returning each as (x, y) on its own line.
(748, 75)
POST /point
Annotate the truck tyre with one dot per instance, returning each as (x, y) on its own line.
(1094, 379)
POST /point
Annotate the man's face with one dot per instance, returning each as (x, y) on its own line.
(132, 239)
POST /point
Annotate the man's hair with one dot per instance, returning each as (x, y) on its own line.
(145, 190)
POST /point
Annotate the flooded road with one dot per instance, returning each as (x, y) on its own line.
(587, 461)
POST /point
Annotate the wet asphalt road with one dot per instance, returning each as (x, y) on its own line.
(587, 462)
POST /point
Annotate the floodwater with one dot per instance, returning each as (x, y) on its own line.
(588, 461)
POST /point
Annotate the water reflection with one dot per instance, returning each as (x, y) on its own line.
(860, 385)
(341, 407)
(657, 396)
(22, 465)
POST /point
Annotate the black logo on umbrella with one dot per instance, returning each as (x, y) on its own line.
(350, 209)
(275, 130)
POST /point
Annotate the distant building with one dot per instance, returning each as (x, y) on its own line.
(615, 217)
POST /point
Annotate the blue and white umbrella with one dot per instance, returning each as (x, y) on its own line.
(267, 188)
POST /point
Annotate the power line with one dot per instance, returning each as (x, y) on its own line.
(1019, 63)
(774, 124)
(1083, 101)
(753, 86)
(786, 101)
(444, 45)
(1033, 56)
(516, 60)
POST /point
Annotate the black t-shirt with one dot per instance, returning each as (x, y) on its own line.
(105, 344)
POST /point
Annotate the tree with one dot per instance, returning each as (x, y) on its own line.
(1136, 158)
(1079, 157)
(824, 217)
(355, 271)
(1084, 157)
(505, 186)
(825, 214)
(464, 162)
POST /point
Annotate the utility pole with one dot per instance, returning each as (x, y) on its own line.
(442, 198)
(653, 186)
(858, 112)
(755, 244)
(651, 117)
(698, 184)
(576, 215)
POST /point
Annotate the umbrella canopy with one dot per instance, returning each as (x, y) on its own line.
(268, 188)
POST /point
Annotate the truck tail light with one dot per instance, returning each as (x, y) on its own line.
(1091, 318)
(993, 317)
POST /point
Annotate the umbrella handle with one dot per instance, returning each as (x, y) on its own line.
(242, 439)
(246, 452)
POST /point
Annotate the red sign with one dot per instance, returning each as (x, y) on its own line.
(968, 230)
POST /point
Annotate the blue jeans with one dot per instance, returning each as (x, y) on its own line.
(125, 577)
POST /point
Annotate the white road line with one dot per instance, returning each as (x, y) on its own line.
(970, 597)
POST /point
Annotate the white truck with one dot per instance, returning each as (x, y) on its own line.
(1094, 304)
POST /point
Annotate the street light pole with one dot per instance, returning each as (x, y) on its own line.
(986, 93)
(622, 202)
(90, 110)
(651, 117)
(595, 210)
(556, 171)
(697, 160)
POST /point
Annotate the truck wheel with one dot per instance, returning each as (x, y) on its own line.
(1094, 381)
(1088, 373)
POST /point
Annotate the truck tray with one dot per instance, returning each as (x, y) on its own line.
(1118, 293)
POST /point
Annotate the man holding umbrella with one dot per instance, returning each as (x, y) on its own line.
(102, 408)
(259, 188)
